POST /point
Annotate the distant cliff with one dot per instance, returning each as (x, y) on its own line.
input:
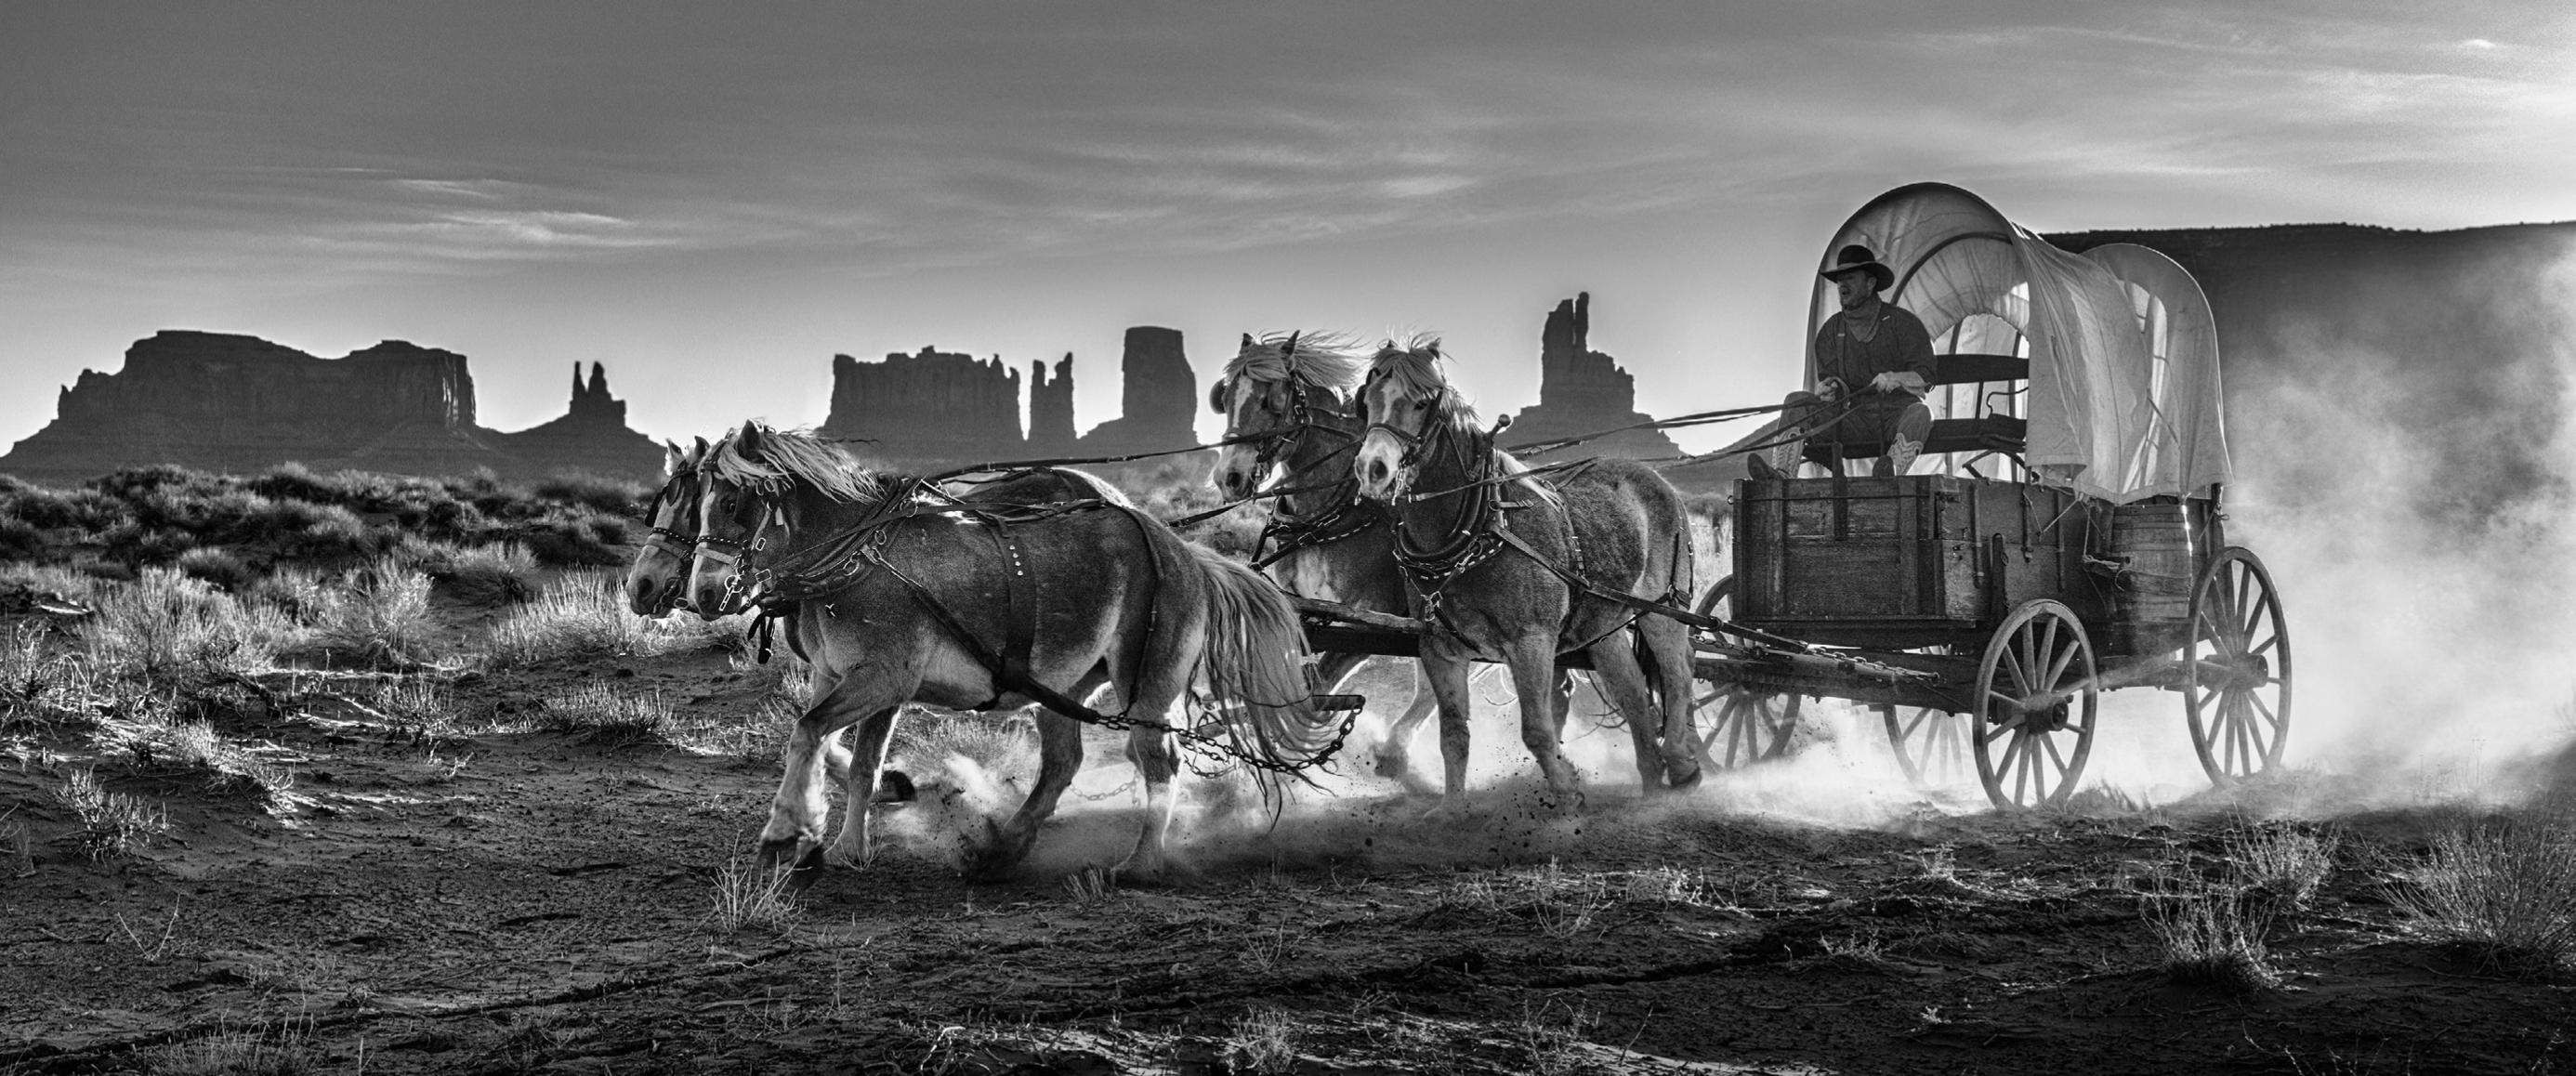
(1582, 391)
(1156, 393)
(926, 410)
(224, 402)
(932, 410)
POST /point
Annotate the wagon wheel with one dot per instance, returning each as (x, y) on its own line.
(2036, 703)
(1931, 745)
(1744, 724)
(2236, 672)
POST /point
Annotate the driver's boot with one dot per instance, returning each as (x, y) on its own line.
(1900, 455)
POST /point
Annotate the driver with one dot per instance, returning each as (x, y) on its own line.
(1875, 353)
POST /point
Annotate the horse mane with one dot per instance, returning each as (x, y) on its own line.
(792, 456)
(1333, 360)
(1414, 365)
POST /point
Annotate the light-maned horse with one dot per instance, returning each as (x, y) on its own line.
(657, 582)
(902, 596)
(1613, 523)
(1288, 404)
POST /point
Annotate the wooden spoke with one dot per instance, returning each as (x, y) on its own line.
(1931, 746)
(2040, 653)
(1740, 724)
(2236, 691)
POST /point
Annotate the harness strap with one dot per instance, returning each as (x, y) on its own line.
(1019, 630)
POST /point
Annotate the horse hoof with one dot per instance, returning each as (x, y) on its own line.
(774, 852)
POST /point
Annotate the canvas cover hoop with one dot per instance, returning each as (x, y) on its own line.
(2124, 394)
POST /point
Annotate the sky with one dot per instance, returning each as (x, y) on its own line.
(715, 199)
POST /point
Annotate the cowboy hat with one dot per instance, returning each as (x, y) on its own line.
(1857, 258)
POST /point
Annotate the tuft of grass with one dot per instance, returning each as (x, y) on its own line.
(378, 616)
(748, 897)
(166, 625)
(2504, 888)
(1091, 886)
(2280, 867)
(285, 1049)
(218, 566)
(42, 691)
(2211, 939)
(603, 716)
(585, 616)
(995, 744)
(172, 741)
(576, 616)
(110, 822)
(490, 575)
(1263, 1041)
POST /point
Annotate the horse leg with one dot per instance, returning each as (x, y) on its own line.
(1616, 671)
(1533, 662)
(1446, 673)
(855, 844)
(1059, 758)
(1666, 645)
(796, 815)
(1157, 761)
(1392, 756)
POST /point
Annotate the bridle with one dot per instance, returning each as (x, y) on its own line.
(736, 553)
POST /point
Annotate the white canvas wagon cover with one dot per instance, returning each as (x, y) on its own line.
(2124, 389)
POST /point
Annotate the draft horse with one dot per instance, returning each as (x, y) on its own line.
(898, 593)
(1520, 568)
(1292, 418)
(656, 581)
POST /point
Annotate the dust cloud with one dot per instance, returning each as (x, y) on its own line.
(2407, 472)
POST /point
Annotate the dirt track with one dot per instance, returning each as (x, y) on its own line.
(532, 901)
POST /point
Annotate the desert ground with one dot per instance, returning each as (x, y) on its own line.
(409, 822)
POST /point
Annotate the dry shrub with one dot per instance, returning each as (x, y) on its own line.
(613, 496)
(2280, 867)
(42, 690)
(750, 897)
(109, 821)
(165, 624)
(284, 1050)
(218, 566)
(2505, 888)
(585, 615)
(503, 574)
(378, 616)
(172, 742)
(598, 714)
(1264, 1041)
(576, 616)
(996, 744)
(2211, 938)
(296, 593)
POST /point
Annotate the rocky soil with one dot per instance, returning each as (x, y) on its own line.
(501, 898)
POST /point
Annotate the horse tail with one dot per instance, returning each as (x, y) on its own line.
(1254, 662)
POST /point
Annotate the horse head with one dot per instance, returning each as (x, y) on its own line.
(654, 581)
(1276, 390)
(754, 487)
(1411, 411)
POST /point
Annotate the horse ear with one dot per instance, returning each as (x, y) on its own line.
(673, 461)
(1290, 348)
(700, 451)
(1247, 342)
(749, 439)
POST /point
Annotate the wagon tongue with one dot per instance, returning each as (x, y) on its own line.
(1334, 704)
